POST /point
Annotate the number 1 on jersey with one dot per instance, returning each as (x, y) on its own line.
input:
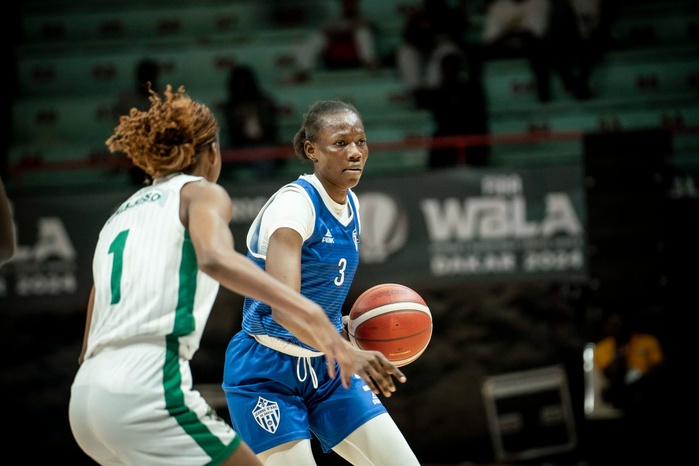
(117, 248)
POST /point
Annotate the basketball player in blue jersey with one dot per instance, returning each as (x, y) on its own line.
(157, 267)
(278, 388)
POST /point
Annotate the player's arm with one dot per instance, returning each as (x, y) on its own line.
(7, 227)
(88, 321)
(284, 263)
(206, 212)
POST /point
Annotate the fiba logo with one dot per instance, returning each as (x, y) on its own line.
(384, 227)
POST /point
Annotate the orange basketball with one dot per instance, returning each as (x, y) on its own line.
(392, 319)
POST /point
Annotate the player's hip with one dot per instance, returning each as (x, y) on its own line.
(148, 366)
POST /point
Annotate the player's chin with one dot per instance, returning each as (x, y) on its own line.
(353, 174)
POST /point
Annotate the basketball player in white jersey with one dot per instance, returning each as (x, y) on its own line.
(278, 388)
(157, 267)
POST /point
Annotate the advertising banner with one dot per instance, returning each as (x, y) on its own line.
(452, 227)
(462, 226)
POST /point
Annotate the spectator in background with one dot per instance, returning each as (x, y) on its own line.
(561, 36)
(344, 42)
(432, 30)
(458, 107)
(514, 29)
(629, 360)
(8, 243)
(564, 43)
(639, 381)
(594, 19)
(146, 77)
(579, 36)
(251, 120)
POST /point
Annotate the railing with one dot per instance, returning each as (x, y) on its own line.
(462, 143)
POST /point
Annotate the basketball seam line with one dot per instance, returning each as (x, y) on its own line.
(386, 308)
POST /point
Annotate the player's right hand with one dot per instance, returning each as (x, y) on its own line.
(377, 371)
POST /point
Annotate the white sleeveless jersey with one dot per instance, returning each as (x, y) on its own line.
(147, 282)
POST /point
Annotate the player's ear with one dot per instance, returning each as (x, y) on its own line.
(310, 150)
(214, 152)
(215, 146)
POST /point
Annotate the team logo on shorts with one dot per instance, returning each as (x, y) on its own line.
(266, 414)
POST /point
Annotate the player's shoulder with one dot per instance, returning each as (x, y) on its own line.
(292, 198)
(300, 187)
(198, 186)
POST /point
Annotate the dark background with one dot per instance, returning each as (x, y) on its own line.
(636, 265)
(642, 261)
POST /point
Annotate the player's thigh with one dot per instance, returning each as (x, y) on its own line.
(242, 456)
(377, 441)
(336, 412)
(295, 452)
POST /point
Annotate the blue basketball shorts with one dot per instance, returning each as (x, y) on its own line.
(272, 399)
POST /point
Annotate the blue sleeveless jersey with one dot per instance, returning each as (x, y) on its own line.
(329, 260)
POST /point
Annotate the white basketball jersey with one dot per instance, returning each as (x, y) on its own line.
(147, 282)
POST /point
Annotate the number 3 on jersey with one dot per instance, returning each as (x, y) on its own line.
(339, 280)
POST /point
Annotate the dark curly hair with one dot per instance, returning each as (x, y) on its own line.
(165, 138)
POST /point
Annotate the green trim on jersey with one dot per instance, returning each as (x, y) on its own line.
(187, 419)
(184, 315)
(172, 379)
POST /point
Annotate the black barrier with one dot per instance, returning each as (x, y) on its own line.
(450, 227)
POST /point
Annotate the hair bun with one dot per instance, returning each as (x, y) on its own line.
(170, 137)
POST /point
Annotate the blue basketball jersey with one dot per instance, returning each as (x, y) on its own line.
(275, 396)
(329, 260)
